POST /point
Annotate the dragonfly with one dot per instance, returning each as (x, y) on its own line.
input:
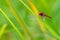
(43, 15)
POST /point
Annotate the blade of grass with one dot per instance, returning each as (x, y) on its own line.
(12, 24)
(52, 32)
(36, 11)
(41, 22)
(2, 30)
(33, 7)
(19, 20)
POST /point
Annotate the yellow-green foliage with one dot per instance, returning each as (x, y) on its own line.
(20, 20)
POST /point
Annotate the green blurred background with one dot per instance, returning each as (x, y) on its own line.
(29, 21)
